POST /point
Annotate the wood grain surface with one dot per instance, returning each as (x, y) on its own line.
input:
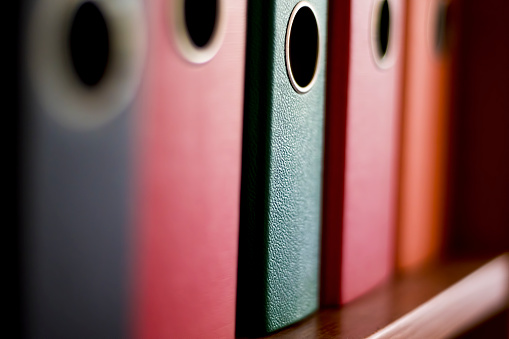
(405, 294)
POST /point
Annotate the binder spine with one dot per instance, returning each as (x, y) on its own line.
(281, 193)
(253, 233)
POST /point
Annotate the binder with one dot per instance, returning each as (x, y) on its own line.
(363, 102)
(80, 69)
(11, 192)
(424, 133)
(189, 140)
(281, 165)
(478, 217)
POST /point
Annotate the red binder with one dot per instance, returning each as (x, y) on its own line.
(189, 162)
(478, 222)
(424, 134)
(358, 243)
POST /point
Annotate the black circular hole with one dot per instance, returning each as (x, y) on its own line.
(201, 17)
(303, 46)
(442, 27)
(89, 43)
(384, 23)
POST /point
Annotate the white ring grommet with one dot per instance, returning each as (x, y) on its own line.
(382, 47)
(302, 87)
(183, 40)
(51, 72)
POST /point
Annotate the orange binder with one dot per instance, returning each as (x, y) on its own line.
(424, 133)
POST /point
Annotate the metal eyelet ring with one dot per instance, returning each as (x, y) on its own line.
(55, 81)
(302, 60)
(382, 31)
(182, 36)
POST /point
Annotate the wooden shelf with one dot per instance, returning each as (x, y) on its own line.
(433, 302)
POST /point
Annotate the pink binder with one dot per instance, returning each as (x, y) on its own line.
(189, 162)
(358, 244)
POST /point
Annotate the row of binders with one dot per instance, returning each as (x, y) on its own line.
(212, 168)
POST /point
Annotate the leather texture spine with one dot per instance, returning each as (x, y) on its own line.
(281, 178)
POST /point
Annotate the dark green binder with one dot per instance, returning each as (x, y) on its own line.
(282, 166)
